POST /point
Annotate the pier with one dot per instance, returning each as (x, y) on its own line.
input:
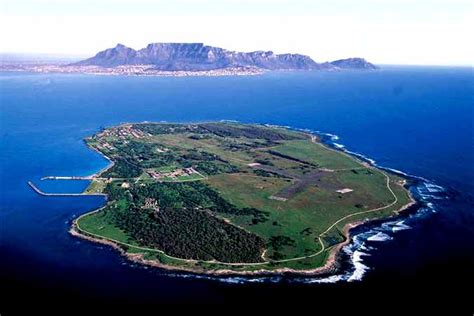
(38, 191)
(66, 178)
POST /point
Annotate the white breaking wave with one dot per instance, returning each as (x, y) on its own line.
(379, 237)
(365, 247)
(360, 268)
(433, 188)
(329, 279)
(224, 279)
(360, 156)
(332, 136)
(400, 226)
(429, 191)
(398, 172)
(394, 226)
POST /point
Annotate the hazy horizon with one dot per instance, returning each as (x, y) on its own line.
(65, 58)
(425, 32)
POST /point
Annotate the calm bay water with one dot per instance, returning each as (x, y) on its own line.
(418, 120)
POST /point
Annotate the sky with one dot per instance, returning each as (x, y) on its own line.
(422, 32)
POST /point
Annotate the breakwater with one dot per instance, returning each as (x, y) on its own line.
(38, 191)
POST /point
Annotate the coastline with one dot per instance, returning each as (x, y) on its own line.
(132, 71)
(332, 262)
(331, 265)
(101, 171)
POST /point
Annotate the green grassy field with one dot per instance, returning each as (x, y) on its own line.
(317, 154)
(287, 199)
(100, 224)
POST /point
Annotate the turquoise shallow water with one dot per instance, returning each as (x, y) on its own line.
(418, 120)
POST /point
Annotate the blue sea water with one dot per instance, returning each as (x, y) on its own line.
(418, 120)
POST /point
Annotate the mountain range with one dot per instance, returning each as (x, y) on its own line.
(199, 57)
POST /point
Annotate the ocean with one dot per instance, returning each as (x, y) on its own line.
(413, 120)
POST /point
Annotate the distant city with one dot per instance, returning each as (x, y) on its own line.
(177, 59)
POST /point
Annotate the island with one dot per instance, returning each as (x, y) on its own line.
(232, 198)
(188, 59)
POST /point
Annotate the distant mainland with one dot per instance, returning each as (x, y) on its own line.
(187, 59)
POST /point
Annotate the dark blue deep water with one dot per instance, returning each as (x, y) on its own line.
(417, 120)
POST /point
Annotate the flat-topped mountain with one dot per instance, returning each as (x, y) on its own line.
(198, 57)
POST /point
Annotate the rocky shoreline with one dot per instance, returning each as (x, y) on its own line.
(331, 266)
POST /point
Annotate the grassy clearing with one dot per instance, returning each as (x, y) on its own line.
(165, 169)
(100, 223)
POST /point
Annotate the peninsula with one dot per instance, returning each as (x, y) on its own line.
(224, 197)
(189, 59)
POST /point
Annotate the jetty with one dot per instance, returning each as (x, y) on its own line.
(38, 191)
(67, 178)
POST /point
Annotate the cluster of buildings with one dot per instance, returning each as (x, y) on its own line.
(123, 132)
(151, 203)
(106, 145)
(130, 70)
(173, 175)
